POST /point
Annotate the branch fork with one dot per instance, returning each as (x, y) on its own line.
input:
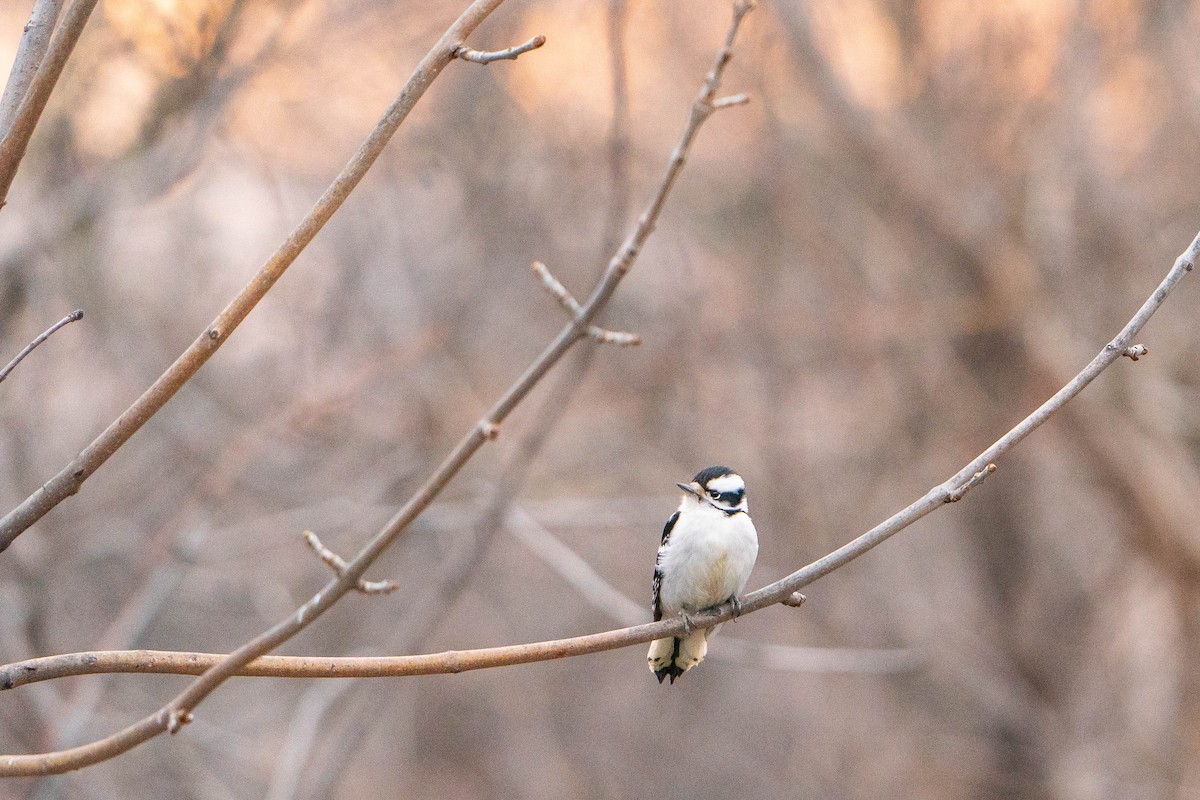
(572, 307)
(339, 567)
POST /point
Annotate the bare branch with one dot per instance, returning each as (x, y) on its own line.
(573, 569)
(17, 136)
(795, 600)
(70, 478)
(34, 42)
(619, 338)
(487, 57)
(46, 334)
(937, 496)
(731, 100)
(618, 137)
(556, 289)
(603, 596)
(568, 302)
(783, 591)
(322, 601)
(338, 565)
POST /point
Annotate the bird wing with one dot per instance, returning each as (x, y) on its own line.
(658, 564)
(667, 529)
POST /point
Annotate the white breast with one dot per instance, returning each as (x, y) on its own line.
(707, 559)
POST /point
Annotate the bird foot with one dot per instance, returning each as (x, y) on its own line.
(687, 622)
(735, 604)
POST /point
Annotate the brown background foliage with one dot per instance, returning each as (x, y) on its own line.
(930, 217)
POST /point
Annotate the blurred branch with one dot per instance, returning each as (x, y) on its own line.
(179, 711)
(487, 57)
(618, 136)
(455, 661)
(46, 334)
(573, 569)
(17, 136)
(303, 728)
(34, 42)
(69, 480)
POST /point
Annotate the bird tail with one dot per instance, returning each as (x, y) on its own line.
(670, 658)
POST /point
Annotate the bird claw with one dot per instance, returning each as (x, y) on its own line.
(736, 605)
(687, 622)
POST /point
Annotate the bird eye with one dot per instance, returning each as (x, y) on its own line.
(714, 494)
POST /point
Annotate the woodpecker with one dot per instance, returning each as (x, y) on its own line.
(708, 549)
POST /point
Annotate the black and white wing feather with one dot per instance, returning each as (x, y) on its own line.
(658, 564)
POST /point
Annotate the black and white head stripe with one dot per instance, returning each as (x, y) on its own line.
(723, 488)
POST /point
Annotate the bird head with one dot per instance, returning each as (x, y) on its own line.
(719, 487)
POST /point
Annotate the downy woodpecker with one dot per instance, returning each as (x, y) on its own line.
(708, 549)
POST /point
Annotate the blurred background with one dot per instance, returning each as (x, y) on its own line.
(930, 217)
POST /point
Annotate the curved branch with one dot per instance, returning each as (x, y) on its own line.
(179, 711)
(71, 477)
(46, 334)
(149, 661)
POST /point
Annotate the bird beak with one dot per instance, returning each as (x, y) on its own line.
(689, 488)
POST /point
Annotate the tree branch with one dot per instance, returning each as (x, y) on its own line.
(179, 711)
(487, 57)
(572, 307)
(34, 42)
(338, 565)
(17, 136)
(46, 334)
(782, 591)
(71, 477)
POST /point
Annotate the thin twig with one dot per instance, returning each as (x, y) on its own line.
(338, 565)
(782, 591)
(178, 711)
(619, 338)
(71, 477)
(618, 135)
(34, 42)
(488, 56)
(556, 289)
(46, 334)
(17, 136)
(731, 100)
(568, 302)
